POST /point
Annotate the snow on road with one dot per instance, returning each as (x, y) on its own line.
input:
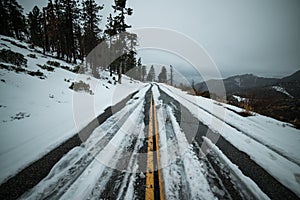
(84, 172)
(183, 173)
(258, 136)
(247, 182)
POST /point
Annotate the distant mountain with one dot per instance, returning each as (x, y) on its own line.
(237, 83)
(278, 98)
(294, 77)
(244, 84)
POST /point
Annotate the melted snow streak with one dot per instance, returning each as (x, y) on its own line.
(85, 170)
(183, 173)
(195, 180)
(245, 181)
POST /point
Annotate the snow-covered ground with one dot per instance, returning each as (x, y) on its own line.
(272, 144)
(238, 98)
(39, 114)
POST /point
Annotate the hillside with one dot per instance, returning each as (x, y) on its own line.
(38, 109)
(278, 98)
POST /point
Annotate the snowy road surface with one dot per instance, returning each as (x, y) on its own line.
(164, 144)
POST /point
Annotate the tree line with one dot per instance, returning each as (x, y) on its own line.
(140, 73)
(70, 29)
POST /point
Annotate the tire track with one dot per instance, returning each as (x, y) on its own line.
(248, 167)
(241, 131)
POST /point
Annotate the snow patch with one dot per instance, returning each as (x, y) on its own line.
(282, 90)
(238, 98)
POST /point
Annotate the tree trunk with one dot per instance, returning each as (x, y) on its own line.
(120, 74)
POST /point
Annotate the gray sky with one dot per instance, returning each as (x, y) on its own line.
(241, 36)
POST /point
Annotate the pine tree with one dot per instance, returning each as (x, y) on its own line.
(91, 19)
(79, 43)
(35, 27)
(171, 75)
(59, 22)
(151, 74)
(16, 19)
(130, 60)
(4, 19)
(144, 73)
(91, 32)
(139, 69)
(120, 27)
(60, 29)
(132, 66)
(50, 27)
(162, 77)
(71, 14)
(110, 31)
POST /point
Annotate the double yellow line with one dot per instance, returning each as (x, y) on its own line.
(151, 188)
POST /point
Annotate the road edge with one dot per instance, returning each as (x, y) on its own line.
(31, 175)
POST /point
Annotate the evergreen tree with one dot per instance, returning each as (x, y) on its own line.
(151, 74)
(91, 36)
(139, 69)
(15, 19)
(144, 73)
(59, 22)
(131, 41)
(120, 27)
(50, 27)
(91, 19)
(60, 29)
(79, 42)
(71, 16)
(162, 77)
(171, 75)
(110, 31)
(4, 19)
(35, 27)
(130, 61)
(135, 72)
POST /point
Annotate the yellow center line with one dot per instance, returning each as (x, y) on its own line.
(150, 190)
(150, 165)
(161, 192)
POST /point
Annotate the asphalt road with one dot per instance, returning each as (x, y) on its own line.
(134, 169)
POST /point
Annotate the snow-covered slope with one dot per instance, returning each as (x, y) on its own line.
(40, 112)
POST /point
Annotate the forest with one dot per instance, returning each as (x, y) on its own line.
(70, 30)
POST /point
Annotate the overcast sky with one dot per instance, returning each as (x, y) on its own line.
(241, 36)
